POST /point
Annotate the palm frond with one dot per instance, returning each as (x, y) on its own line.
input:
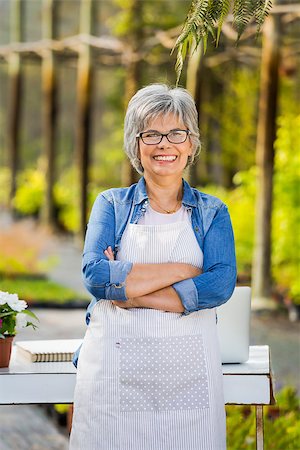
(261, 11)
(243, 11)
(224, 11)
(194, 18)
(206, 15)
(184, 47)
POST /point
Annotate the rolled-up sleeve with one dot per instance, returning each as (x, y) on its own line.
(104, 279)
(216, 284)
(187, 292)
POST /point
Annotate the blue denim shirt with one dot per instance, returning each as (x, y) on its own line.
(211, 223)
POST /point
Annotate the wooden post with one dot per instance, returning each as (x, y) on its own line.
(194, 81)
(15, 95)
(133, 74)
(259, 427)
(83, 125)
(49, 88)
(266, 133)
(215, 169)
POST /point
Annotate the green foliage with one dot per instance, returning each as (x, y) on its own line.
(282, 431)
(66, 194)
(7, 321)
(21, 246)
(40, 290)
(61, 409)
(4, 183)
(30, 191)
(286, 212)
(204, 15)
(155, 15)
(236, 113)
(13, 314)
(241, 204)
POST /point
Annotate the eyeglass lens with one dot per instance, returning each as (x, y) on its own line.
(175, 137)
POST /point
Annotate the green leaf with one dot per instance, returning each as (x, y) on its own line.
(261, 11)
(33, 325)
(31, 314)
(10, 313)
(179, 64)
(204, 44)
(225, 7)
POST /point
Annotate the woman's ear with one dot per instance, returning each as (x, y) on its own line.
(191, 147)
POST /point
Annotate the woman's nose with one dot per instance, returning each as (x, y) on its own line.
(164, 142)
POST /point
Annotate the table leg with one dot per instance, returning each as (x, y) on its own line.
(70, 418)
(259, 427)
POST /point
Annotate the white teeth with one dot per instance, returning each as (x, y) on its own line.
(165, 158)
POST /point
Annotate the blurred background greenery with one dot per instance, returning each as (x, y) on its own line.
(228, 109)
(137, 37)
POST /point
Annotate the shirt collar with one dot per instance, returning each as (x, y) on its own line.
(189, 198)
(140, 192)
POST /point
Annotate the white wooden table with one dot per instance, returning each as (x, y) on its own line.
(35, 383)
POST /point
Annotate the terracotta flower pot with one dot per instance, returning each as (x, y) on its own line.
(5, 350)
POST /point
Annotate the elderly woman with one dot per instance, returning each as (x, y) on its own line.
(158, 259)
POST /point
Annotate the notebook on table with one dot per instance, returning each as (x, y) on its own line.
(234, 326)
(57, 350)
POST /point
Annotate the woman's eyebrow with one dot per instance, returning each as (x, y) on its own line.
(147, 131)
(173, 129)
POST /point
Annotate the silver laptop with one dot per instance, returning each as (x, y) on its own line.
(234, 326)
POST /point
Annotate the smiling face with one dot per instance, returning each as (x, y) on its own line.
(165, 158)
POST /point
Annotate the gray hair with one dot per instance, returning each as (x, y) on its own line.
(152, 101)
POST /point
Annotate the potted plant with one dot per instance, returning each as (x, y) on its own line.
(13, 316)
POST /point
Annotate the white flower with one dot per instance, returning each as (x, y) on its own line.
(4, 296)
(21, 321)
(18, 306)
(13, 301)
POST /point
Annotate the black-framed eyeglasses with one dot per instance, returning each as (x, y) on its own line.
(153, 137)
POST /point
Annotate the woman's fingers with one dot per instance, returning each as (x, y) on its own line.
(109, 253)
(127, 304)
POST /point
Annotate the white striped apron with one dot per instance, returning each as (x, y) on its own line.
(149, 379)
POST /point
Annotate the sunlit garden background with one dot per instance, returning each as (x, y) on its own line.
(66, 74)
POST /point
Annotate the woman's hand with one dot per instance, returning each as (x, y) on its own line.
(109, 253)
(129, 303)
(121, 304)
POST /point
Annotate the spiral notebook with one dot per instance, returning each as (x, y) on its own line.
(57, 350)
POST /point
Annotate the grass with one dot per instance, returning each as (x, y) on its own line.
(40, 290)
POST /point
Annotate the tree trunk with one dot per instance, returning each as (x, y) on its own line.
(83, 125)
(133, 75)
(266, 133)
(49, 86)
(15, 96)
(215, 170)
(194, 82)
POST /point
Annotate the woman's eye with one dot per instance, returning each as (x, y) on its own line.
(151, 135)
